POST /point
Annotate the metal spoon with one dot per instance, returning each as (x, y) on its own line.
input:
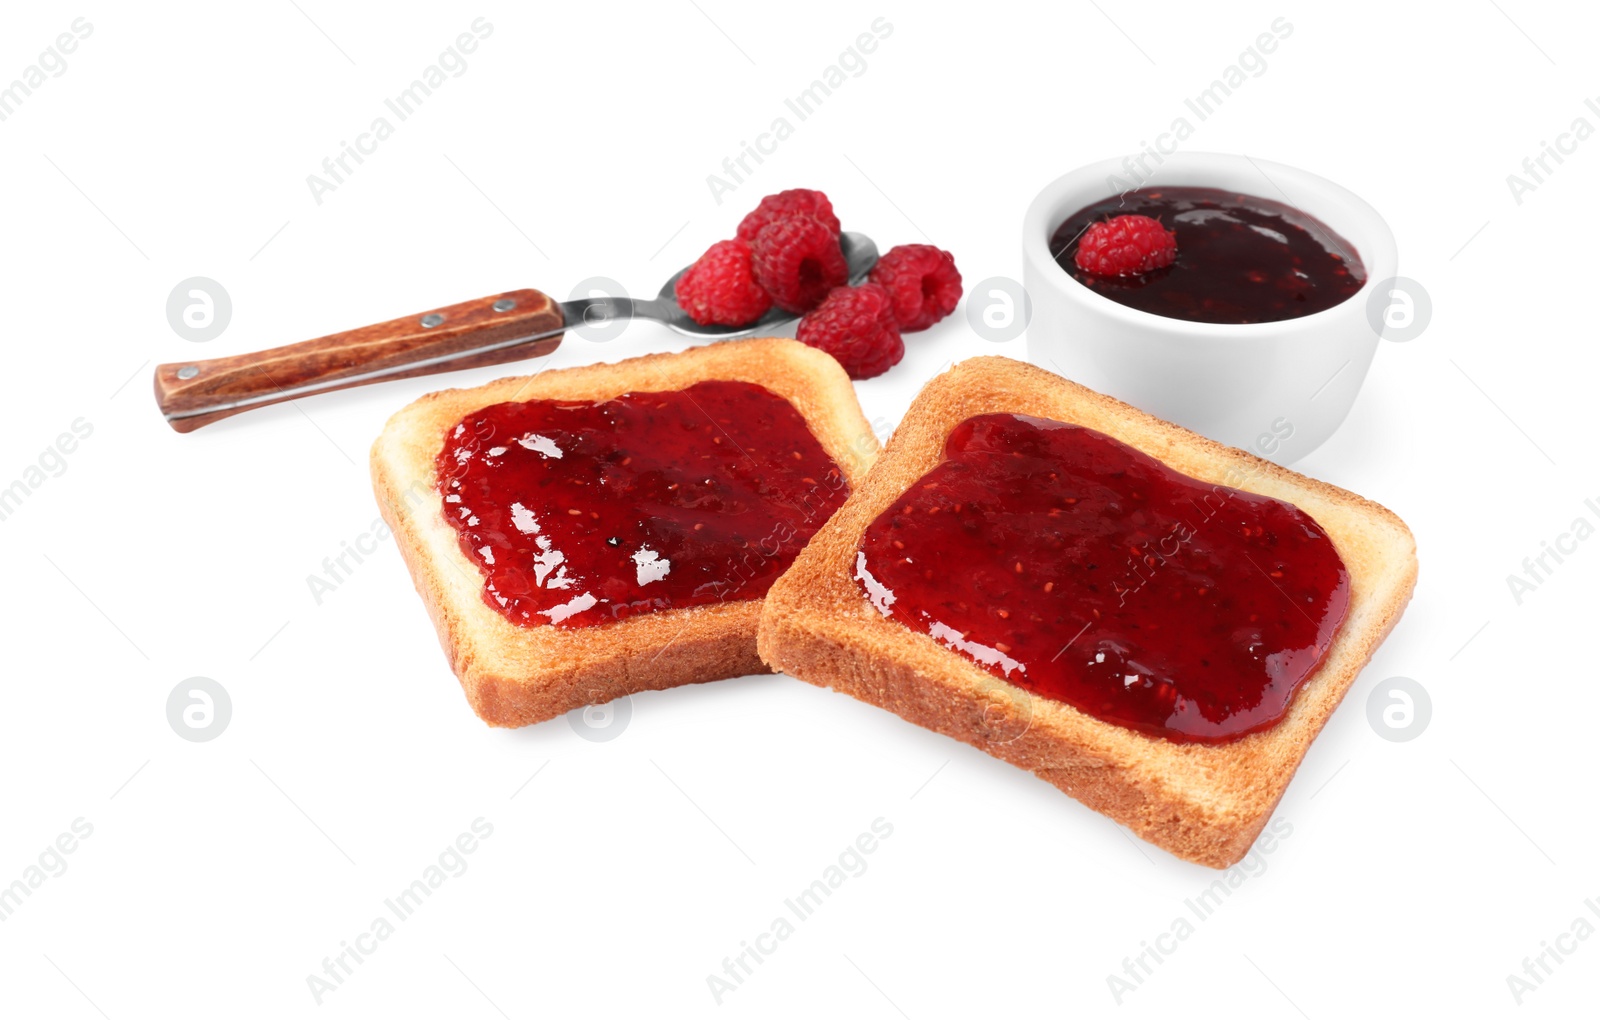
(859, 251)
(488, 331)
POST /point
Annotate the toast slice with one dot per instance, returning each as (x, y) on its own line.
(1204, 803)
(515, 675)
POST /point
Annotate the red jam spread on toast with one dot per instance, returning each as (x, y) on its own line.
(1079, 569)
(581, 512)
(1240, 258)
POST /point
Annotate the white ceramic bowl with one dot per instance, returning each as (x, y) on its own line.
(1277, 389)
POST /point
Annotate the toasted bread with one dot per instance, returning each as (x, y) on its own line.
(515, 675)
(1204, 803)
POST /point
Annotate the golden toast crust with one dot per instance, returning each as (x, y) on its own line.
(516, 675)
(1203, 803)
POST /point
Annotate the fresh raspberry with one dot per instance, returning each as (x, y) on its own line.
(719, 289)
(795, 202)
(857, 326)
(922, 281)
(798, 260)
(1126, 246)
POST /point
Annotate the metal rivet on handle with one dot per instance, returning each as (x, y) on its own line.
(505, 304)
(432, 319)
(188, 372)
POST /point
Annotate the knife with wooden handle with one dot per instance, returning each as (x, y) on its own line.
(491, 330)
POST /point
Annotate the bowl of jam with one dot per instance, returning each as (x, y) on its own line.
(1252, 325)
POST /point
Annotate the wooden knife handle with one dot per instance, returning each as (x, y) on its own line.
(375, 353)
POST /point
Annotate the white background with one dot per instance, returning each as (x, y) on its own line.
(578, 142)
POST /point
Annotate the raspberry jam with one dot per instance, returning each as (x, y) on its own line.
(1082, 570)
(1241, 258)
(581, 513)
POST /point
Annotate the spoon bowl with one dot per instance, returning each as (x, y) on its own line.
(860, 253)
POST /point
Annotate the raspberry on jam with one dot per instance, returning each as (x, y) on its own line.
(1125, 246)
(580, 513)
(1234, 258)
(1081, 570)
